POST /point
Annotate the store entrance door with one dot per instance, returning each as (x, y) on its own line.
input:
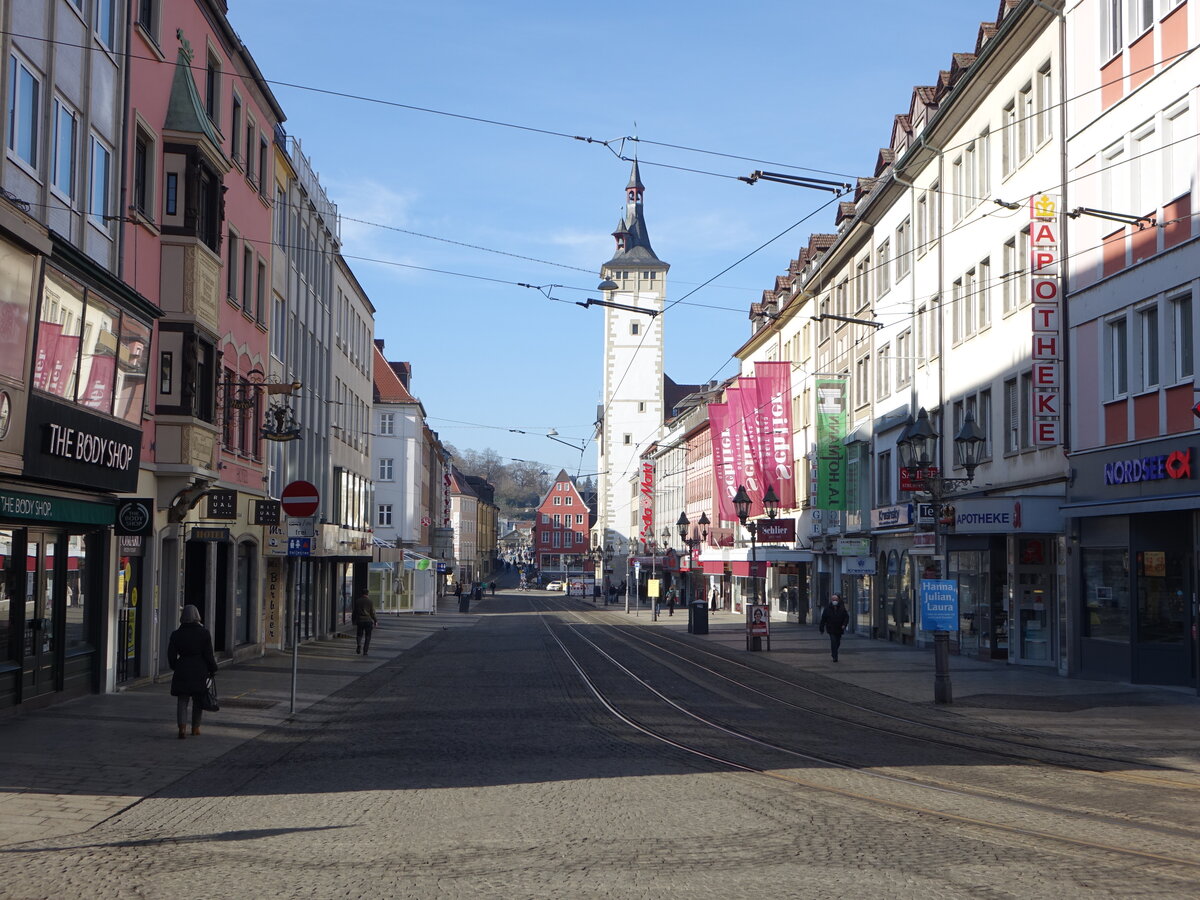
(1034, 601)
(41, 658)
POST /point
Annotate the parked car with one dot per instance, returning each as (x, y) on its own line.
(556, 586)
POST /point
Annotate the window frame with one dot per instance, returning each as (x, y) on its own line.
(20, 122)
(100, 218)
(59, 107)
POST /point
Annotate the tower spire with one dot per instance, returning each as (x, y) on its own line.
(632, 237)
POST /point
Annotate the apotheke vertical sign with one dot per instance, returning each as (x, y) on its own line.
(1046, 294)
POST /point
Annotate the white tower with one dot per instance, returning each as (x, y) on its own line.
(631, 414)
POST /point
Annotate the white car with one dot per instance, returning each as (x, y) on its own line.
(556, 586)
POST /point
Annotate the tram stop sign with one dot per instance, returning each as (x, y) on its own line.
(300, 499)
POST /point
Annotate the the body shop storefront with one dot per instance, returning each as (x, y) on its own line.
(78, 427)
(1134, 512)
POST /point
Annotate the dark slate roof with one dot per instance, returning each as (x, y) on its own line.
(635, 178)
(673, 393)
(637, 250)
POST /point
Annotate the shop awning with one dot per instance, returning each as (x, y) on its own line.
(713, 566)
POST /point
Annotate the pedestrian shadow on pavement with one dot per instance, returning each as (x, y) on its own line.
(242, 834)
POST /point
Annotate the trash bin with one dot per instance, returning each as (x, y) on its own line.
(698, 618)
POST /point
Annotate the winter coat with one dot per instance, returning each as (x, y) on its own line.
(190, 655)
(364, 611)
(834, 619)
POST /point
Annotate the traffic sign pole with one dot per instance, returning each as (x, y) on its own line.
(300, 500)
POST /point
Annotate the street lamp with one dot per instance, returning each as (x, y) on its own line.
(553, 435)
(916, 446)
(741, 504)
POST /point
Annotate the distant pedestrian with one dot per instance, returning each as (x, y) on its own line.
(834, 621)
(492, 585)
(458, 589)
(671, 602)
(364, 619)
(716, 595)
(190, 656)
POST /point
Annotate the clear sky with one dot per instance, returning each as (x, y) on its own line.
(784, 83)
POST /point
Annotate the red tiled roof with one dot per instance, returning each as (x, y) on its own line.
(388, 386)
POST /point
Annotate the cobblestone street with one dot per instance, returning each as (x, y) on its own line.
(474, 762)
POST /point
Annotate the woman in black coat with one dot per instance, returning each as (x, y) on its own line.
(190, 655)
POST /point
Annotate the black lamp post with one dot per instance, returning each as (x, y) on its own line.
(916, 447)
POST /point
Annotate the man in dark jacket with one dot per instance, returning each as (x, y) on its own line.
(834, 621)
(190, 655)
(364, 619)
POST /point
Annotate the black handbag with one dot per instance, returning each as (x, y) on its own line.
(208, 700)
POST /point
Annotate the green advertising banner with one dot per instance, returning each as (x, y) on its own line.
(832, 481)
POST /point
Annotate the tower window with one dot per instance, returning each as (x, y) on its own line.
(628, 440)
(641, 406)
(635, 327)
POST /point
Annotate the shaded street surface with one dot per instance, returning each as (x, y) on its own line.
(468, 758)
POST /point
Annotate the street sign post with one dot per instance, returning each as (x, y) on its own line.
(300, 500)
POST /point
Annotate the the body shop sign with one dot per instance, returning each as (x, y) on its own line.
(71, 445)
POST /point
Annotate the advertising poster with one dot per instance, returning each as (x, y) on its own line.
(724, 482)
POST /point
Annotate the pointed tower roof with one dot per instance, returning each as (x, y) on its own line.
(637, 250)
(635, 178)
(185, 111)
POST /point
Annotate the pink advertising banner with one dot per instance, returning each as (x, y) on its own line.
(47, 348)
(777, 460)
(724, 480)
(742, 402)
(100, 377)
(62, 366)
(646, 502)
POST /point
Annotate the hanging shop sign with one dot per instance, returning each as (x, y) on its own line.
(853, 546)
(220, 505)
(776, 531)
(1046, 296)
(135, 516)
(208, 534)
(266, 512)
(858, 565)
(832, 482)
(646, 502)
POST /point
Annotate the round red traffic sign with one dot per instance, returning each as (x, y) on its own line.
(300, 499)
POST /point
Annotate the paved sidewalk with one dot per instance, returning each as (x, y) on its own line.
(1162, 721)
(68, 767)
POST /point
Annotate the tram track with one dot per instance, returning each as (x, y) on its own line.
(947, 793)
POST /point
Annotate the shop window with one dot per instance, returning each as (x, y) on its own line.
(133, 363)
(1106, 593)
(10, 590)
(98, 367)
(56, 359)
(78, 603)
(16, 283)
(1162, 606)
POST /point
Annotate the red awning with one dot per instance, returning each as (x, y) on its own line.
(747, 569)
(713, 566)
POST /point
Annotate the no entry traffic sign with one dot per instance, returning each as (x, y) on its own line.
(300, 499)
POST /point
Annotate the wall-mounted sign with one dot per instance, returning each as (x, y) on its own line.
(853, 546)
(1176, 464)
(135, 515)
(131, 545)
(892, 516)
(5, 414)
(221, 505)
(858, 565)
(914, 478)
(69, 444)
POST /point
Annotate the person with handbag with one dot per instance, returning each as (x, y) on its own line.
(190, 655)
(363, 617)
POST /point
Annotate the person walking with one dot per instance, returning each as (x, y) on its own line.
(834, 620)
(363, 617)
(492, 585)
(671, 602)
(190, 656)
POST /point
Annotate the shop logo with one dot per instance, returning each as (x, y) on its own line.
(1174, 465)
(134, 516)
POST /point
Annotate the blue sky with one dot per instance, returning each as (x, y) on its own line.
(799, 83)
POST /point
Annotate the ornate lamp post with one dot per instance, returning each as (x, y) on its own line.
(917, 446)
(741, 503)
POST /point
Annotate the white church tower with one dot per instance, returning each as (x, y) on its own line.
(631, 413)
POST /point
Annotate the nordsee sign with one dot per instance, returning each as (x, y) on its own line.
(939, 605)
(1177, 464)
